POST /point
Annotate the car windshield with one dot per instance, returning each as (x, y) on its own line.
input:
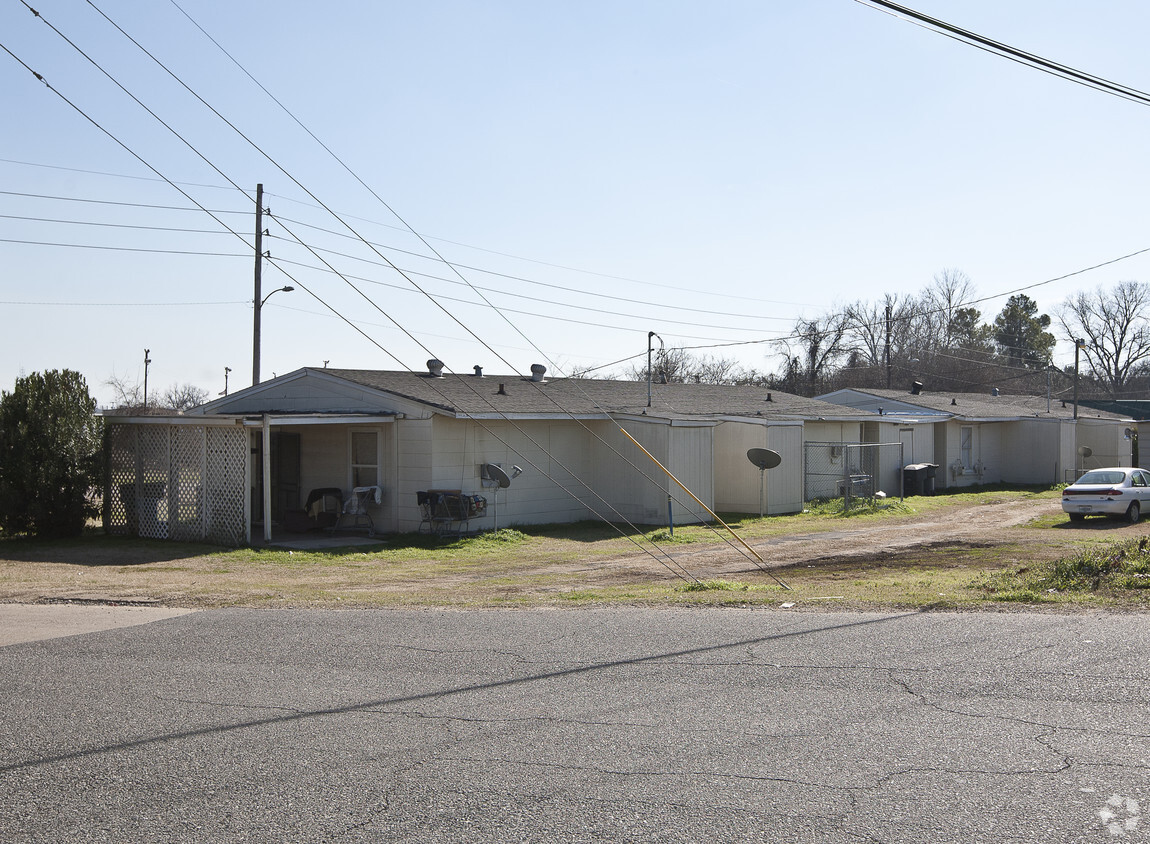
(1102, 478)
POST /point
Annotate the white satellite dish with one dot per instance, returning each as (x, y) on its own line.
(765, 459)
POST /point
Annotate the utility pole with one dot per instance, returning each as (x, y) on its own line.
(257, 299)
(1078, 344)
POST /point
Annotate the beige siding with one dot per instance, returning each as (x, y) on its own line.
(737, 480)
(637, 488)
(1031, 452)
(690, 459)
(634, 486)
(413, 469)
(785, 481)
(833, 432)
(1106, 441)
(553, 455)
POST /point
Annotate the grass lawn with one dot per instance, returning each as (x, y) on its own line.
(1039, 563)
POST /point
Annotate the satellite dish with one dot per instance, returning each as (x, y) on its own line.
(764, 458)
(1085, 451)
(497, 474)
(1128, 434)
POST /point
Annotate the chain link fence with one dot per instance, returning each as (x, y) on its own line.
(852, 471)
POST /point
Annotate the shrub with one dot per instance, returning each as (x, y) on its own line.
(50, 446)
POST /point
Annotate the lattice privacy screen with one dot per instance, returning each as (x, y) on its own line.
(184, 482)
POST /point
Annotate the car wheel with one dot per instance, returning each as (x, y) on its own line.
(1077, 517)
(1133, 513)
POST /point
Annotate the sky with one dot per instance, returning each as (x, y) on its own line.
(509, 183)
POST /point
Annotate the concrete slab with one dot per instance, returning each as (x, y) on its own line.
(36, 622)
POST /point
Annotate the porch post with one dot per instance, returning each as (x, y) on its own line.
(265, 491)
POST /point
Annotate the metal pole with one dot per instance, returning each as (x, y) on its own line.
(1078, 344)
(257, 299)
(650, 334)
(266, 485)
(147, 361)
(762, 485)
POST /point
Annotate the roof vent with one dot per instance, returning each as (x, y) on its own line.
(954, 402)
(769, 397)
(502, 390)
(538, 370)
(478, 371)
(994, 391)
(915, 388)
(435, 368)
(880, 411)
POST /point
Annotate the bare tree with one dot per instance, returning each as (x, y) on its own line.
(183, 397)
(948, 293)
(677, 365)
(1114, 325)
(813, 350)
(128, 396)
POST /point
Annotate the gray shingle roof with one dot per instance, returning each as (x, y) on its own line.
(987, 406)
(472, 395)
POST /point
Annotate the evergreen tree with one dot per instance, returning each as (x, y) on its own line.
(50, 447)
(1020, 333)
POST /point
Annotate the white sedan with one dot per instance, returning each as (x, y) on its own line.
(1121, 492)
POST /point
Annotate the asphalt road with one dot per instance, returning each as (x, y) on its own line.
(578, 725)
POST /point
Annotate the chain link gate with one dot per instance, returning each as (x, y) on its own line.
(851, 471)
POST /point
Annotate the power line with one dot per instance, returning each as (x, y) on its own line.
(136, 227)
(126, 304)
(199, 209)
(525, 280)
(113, 175)
(124, 248)
(76, 108)
(1012, 53)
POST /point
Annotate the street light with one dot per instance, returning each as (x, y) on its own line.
(259, 303)
(147, 363)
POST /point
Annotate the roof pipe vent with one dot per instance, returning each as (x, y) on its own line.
(538, 370)
(769, 397)
(502, 389)
(915, 388)
(478, 371)
(435, 368)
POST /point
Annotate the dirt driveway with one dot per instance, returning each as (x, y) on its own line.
(1005, 530)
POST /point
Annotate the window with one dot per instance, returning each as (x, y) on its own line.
(966, 446)
(364, 458)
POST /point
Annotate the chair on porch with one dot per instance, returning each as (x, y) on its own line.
(321, 511)
(355, 515)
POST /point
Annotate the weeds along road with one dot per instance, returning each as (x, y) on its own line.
(580, 725)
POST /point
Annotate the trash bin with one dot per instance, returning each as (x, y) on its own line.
(918, 478)
(928, 482)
